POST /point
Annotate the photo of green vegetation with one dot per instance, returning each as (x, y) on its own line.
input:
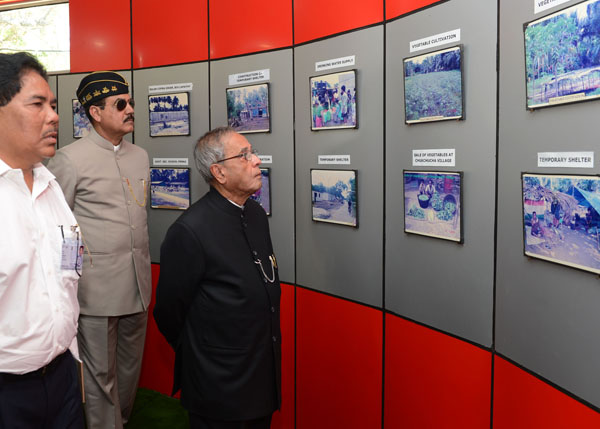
(433, 86)
(562, 56)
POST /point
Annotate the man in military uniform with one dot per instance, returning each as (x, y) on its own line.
(104, 179)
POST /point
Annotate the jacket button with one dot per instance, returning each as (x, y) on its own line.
(255, 253)
(274, 339)
(272, 309)
(244, 224)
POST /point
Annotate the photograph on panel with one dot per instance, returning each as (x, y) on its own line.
(263, 195)
(248, 109)
(169, 114)
(433, 86)
(81, 123)
(433, 204)
(334, 197)
(561, 56)
(169, 188)
(333, 100)
(561, 219)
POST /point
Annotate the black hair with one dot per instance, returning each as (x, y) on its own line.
(12, 69)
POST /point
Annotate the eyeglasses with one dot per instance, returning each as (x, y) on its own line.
(246, 155)
(121, 104)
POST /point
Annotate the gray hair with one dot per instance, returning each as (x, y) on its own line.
(209, 149)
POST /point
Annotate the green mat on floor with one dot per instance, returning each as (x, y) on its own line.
(155, 410)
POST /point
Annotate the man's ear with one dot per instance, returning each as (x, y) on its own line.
(217, 172)
(95, 113)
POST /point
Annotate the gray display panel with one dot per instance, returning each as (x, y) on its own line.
(172, 146)
(278, 143)
(547, 315)
(333, 258)
(443, 284)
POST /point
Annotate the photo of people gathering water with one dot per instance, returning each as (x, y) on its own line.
(333, 196)
(433, 204)
(562, 57)
(333, 100)
(561, 219)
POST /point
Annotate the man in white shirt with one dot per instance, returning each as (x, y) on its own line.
(39, 259)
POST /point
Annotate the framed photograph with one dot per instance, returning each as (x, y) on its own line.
(433, 86)
(248, 108)
(169, 114)
(433, 204)
(562, 63)
(333, 101)
(263, 195)
(169, 188)
(334, 196)
(561, 220)
(81, 123)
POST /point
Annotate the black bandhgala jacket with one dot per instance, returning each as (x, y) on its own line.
(217, 304)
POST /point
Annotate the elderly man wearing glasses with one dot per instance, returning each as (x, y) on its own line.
(217, 300)
(105, 180)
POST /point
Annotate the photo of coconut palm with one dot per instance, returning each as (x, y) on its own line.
(433, 86)
(248, 109)
(169, 114)
(81, 123)
(561, 221)
(433, 204)
(334, 197)
(263, 195)
(562, 58)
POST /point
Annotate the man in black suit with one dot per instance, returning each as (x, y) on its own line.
(217, 300)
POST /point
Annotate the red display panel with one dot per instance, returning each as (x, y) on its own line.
(187, 42)
(339, 359)
(284, 418)
(239, 26)
(100, 36)
(433, 380)
(314, 19)
(159, 357)
(524, 401)
(394, 8)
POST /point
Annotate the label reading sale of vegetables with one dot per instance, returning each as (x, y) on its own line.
(437, 157)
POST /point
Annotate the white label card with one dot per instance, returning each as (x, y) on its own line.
(170, 87)
(435, 40)
(266, 159)
(334, 159)
(335, 63)
(542, 5)
(434, 157)
(169, 161)
(566, 159)
(248, 77)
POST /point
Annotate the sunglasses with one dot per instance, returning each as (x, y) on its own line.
(121, 104)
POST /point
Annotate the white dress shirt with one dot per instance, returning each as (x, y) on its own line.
(38, 278)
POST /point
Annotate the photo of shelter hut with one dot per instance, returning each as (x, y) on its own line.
(432, 204)
(333, 100)
(561, 219)
(248, 109)
(169, 115)
(333, 196)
